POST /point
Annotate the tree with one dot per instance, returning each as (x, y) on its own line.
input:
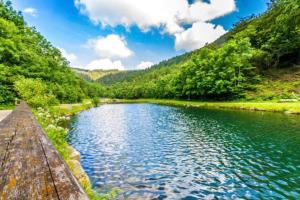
(35, 92)
(216, 73)
(25, 52)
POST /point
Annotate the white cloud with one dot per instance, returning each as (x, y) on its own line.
(144, 65)
(105, 64)
(167, 15)
(111, 46)
(69, 56)
(30, 11)
(202, 11)
(144, 13)
(198, 36)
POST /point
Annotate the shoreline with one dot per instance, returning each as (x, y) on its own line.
(285, 108)
(57, 132)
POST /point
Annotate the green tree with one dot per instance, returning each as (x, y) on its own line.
(35, 92)
(215, 73)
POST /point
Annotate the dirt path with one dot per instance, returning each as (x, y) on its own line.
(4, 113)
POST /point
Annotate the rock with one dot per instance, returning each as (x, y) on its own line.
(74, 154)
(288, 100)
(79, 173)
(288, 112)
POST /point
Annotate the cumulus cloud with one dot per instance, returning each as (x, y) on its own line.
(203, 11)
(144, 65)
(30, 11)
(109, 50)
(111, 46)
(168, 15)
(69, 56)
(105, 64)
(198, 36)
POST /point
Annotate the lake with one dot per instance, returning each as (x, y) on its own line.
(161, 152)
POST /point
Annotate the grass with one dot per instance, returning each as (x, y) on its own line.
(7, 107)
(291, 108)
(277, 84)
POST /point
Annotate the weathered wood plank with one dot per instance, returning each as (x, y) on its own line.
(30, 166)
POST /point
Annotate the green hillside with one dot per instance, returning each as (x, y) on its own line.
(93, 75)
(126, 76)
(32, 68)
(259, 53)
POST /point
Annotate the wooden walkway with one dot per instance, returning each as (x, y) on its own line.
(30, 167)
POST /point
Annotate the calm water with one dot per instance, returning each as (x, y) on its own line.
(161, 152)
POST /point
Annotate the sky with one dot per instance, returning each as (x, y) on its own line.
(132, 34)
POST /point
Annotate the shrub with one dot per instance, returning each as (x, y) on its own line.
(35, 92)
(6, 96)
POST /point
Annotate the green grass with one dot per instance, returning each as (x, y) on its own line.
(7, 107)
(292, 108)
(277, 84)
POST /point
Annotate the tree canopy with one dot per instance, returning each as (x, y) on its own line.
(26, 54)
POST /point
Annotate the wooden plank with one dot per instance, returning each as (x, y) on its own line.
(7, 132)
(66, 184)
(24, 171)
(31, 168)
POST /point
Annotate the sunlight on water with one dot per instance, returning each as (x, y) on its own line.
(160, 152)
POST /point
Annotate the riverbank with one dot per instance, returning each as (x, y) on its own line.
(287, 108)
(56, 122)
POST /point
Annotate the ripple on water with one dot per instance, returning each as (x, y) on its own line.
(160, 152)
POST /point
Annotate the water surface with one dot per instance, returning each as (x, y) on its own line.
(160, 152)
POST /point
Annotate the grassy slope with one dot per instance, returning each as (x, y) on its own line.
(288, 108)
(94, 74)
(278, 84)
(164, 68)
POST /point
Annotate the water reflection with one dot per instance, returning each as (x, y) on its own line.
(162, 152)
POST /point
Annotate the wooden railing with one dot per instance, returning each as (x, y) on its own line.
(30, 167)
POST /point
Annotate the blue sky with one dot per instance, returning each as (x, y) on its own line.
(130, 34)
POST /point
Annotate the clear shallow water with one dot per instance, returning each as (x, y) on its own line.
(161, 152)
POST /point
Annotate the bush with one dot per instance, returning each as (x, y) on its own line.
(6, 95)
(95, 101)
(35, 92)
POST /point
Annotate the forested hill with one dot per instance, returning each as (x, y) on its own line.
(131, 75)
(245, 61)
(92, 75)
(33, 69)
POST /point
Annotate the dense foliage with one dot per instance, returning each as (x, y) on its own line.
(25, 54)
(223, 70)
(217, 72)
(35, 92)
